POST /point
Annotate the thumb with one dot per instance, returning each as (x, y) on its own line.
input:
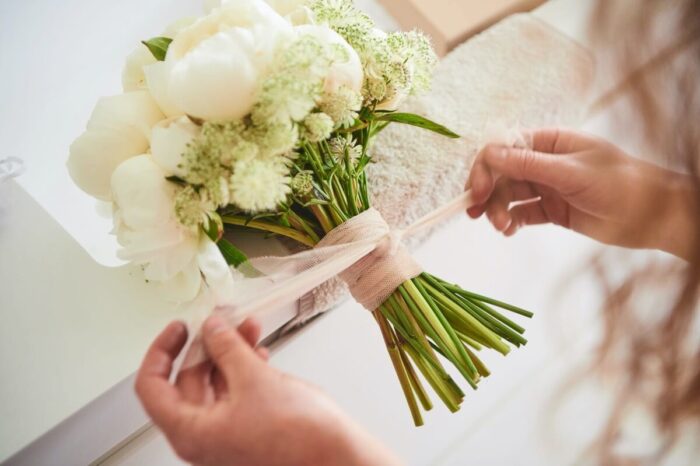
(226, 347)
(528, 165)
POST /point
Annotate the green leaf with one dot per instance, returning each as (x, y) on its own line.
(231, 253)
(158, 46)
(176, 179)
(418, 121)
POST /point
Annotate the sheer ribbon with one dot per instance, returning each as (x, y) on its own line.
(364, 251)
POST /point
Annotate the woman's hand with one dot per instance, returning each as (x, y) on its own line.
(239, 410)
(588, 185)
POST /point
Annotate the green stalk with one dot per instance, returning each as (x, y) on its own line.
(486, 319)
(435, 382)
(484, 299)
(396, 360)
(425, 350)
(453, 336)
(322, 216)
(497, 315)
(423, 307)
(488, 335)
(418, 388)
(450, 348)
(270, 228)
(297, 220)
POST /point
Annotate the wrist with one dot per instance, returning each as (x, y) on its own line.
(680, 226)
(349, 445)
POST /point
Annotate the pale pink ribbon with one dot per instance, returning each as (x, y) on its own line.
(364, 251)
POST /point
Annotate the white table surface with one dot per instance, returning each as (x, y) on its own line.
(497, 425)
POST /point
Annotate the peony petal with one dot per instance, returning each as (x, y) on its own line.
(157, 79)
(185, 286)
(98, 152)
(170, 262)
(217, 79)
(135, 109)
(133, 77)
(216, 272)
(144, 197)
(169, 141)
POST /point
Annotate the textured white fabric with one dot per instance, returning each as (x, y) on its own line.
(519, 73)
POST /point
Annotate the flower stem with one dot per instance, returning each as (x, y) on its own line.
(270, 228)
(394, 353)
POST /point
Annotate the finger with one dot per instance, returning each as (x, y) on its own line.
(557, 141)
(506, 192)
(528, 165)
(476, 211)
(219, 384)
(481, 180)
(160, 399)
(227, 348)
(250, 331)
(263, 352)
(526, 214)
(194, 383)
(497, 208)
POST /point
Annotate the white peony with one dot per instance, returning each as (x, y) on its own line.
(347, 73)
(213, 67)
(149, 233)
(169, 140)
(119, 128)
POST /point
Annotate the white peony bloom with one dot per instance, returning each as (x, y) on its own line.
(347, 73)
(148, 231)
(213, 67)
(169, 140)
(157, 76)
(119, 128)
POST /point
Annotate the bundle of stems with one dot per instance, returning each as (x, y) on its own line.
(425, 316)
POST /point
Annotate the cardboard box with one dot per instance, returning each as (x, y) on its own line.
(451, 22)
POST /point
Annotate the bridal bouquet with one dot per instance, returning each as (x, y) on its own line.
(261, 115)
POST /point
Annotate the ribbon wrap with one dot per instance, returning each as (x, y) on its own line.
(374, 277)
(364, 251)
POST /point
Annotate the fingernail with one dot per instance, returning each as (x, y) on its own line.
(215, 324)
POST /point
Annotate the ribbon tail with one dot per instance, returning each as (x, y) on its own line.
(286, 280)
(458, 204)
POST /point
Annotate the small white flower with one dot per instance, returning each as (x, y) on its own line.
(342, 106)
(318, 127)
(259, 185)
(169, 141)
(119, 128)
